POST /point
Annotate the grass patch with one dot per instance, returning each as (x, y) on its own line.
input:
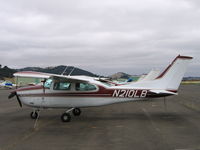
(190, 82)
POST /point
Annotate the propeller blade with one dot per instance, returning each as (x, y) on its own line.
(15, 94)
(12, 95)
(20, 103)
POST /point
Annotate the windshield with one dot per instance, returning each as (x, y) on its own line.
(47, 84)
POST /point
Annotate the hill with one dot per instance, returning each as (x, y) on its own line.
(59, 70)
(6, 72)
(120, 75)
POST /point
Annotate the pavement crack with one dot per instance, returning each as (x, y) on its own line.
(27, 134)
(150, 119)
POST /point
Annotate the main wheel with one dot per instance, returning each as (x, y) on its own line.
(34, 115)
(76, 112)
(66, 117)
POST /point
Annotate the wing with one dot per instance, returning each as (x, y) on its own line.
(33, 74)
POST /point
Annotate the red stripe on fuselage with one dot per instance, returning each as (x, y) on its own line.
(36, 87)
(65, 95)
(102, 92)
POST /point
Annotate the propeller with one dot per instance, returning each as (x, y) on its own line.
(12, 95)
(15, 94)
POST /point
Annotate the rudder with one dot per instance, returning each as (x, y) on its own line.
(172, 76)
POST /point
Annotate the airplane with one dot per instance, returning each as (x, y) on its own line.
(153, 74)
(6, 84)
(145, 77)
(75, 92)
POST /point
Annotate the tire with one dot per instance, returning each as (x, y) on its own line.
(34, 115)
(76, 112)
(65, 117)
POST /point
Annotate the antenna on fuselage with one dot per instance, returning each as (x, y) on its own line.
(64, 70)
(71, 71)
(99, 77)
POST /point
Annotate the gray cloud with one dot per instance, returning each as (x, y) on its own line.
(101, 36)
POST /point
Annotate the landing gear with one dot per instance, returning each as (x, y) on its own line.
(66, 117)
(76, 112)
(34, 114)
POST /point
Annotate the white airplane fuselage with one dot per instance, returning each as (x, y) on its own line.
(37, 96)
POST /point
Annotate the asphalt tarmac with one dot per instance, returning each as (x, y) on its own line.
(128, 126)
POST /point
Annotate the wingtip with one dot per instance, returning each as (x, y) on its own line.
(184, 57)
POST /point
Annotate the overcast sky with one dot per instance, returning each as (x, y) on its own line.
(101, 36)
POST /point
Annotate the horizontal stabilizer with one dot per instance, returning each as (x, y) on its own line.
(163, 92)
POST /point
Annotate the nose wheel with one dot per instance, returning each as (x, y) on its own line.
(34, 114)
(66, 117)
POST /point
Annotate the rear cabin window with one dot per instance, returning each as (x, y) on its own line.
(85, 87)
(62, 86)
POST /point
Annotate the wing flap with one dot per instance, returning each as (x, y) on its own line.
(71, 79)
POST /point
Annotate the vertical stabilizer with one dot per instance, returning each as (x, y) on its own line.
(172, 76)
(169, 79)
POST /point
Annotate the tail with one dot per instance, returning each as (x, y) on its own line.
(172, 76)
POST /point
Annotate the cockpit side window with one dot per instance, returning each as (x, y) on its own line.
(48, 83)
(85, 87)
(62, 86)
